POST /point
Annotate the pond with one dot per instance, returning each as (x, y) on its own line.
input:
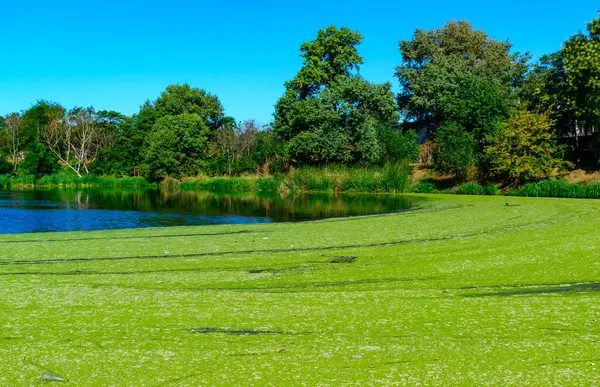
(107, 209)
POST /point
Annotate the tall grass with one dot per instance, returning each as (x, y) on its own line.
(233, 184)
(67, 180)
(391, 178)
(558, 189)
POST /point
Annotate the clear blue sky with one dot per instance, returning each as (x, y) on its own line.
(115, 54)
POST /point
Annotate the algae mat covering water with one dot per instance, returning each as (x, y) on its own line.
(460, 291)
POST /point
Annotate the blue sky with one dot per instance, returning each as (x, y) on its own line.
(114, 55)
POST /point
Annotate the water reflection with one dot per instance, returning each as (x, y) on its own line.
(99, 209)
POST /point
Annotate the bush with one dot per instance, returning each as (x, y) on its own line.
(5, 181)
(400, 146)
(525, 149)
(457, 150)
(424, 188)
(490, 189)
(391, 178)
(470, 189)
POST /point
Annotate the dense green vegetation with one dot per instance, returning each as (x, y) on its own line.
(487, 111)
(463, 291)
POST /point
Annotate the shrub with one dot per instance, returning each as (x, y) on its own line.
(553, 188)
(424, 188)
(457, 150)
(470, 189)
(525, 149)
(490, 189)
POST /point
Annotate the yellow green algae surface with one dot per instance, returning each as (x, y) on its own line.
(460, 291)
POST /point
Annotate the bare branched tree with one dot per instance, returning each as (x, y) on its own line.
(75, 137)
(236, 142)
(12, 133)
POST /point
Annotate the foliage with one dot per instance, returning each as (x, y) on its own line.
(399, 146)
(184, 99)
(456, 150)
(424, 187)
(177, 146)
(124, 153)
(391, 178)
(233, 148)
(469, 188)
(233, 184)
(12, 137)
(38, 160)
(557, 189)
(525, 149)
(582, 64)
(329, 114)
(458, 74)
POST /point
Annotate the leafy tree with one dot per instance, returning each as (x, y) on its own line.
(582, 65)
(183, 99)
(399, 146)
(177, 146)
(456, 149)
(525, 149)
(38, 160)
(123, 154)
(458, 74)
(329, 114)
(547, 90)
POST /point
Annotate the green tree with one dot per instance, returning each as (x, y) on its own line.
(184, 99)
(329, 113)
(459, 74)
(176, 146)
(457, 150)
(38, 160)
(582, 65)
(399, 146)
(12, 138)
(123, 152)
(525, 149)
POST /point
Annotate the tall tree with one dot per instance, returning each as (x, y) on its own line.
(75, 137)
(328, 112)
(459, 74)
(13, 137)
(525, 149)
(582, 64)
(177, 146)
(38, 159)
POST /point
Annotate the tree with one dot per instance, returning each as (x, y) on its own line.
(525, 149)
(234, 146)
(125, 142)
(582, 65)
(12, 135)
(458, 74)
(177, 146)
(38, 159)
(74, 137)
(547, 90)
(183, 99)
(456, 149)
(329, 113)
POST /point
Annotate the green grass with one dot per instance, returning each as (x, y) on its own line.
(464, 291)
(233, 184)
(391, 178)
(69, 180)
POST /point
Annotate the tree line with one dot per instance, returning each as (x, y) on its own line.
(478, 107)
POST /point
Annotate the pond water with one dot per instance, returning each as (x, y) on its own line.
(106, 209)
